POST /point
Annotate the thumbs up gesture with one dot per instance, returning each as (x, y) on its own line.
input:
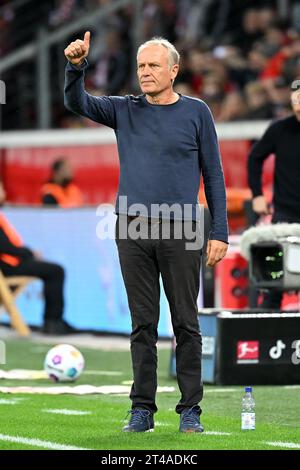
(78, 50)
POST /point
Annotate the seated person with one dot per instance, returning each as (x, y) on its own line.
(18, 260)
(60, 189)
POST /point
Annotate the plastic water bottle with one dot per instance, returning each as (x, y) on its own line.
(248, 410)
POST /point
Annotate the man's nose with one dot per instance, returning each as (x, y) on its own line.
(146, 70)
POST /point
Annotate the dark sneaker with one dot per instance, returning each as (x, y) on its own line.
(190, 420)
(58, 327)
(140, 421)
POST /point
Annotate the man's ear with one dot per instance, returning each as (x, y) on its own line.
(175, 70)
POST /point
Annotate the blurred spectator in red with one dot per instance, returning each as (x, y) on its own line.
(258, 59)
(250, 31)
(159, 18)
(112, 70)
(6, 18)
(213, 93)
(196, 64)
(183, 89)
(259, 105)
(239, 41)
(234, 107)
(279, 95)
(64, 11)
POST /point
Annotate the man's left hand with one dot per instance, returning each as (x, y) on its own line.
(215, 251)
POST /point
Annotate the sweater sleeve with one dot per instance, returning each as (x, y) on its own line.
(7, 248)
(76, 99)
(213, 176)
(258, 154)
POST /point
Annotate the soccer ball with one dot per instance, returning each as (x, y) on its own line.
(64, 363)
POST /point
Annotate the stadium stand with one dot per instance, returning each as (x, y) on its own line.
(240, 60)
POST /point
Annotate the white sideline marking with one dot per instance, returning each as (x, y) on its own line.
(291, 387)
(221, 390)
(6, 401)
(102, 372)
(288, 445)
(67, 412)
(38, 443)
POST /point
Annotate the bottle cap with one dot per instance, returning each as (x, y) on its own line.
(248, 389)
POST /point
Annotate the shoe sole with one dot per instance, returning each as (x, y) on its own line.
(148, 430)
(192, 431)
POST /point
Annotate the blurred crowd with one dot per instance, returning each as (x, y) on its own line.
(238, 56)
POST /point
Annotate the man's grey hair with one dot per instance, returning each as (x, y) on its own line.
(174, 55)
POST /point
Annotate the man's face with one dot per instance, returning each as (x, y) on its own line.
(66, 171)
(64, 175)
(295, 101)
(154, 72)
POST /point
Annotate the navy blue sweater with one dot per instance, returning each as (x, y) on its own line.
(162, 151)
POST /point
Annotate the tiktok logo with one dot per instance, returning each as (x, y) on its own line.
(296, 354)
(276, 351)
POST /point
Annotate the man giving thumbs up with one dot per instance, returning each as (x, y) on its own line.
(78, 50)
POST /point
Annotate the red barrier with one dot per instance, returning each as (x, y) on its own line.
(96, 169)
(231, 281)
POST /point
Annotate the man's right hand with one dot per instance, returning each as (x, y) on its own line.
(78, 50)
(260, 205)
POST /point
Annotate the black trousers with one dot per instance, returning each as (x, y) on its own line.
(142, 262)
(52, 276)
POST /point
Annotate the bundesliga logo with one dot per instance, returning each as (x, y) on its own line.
(248, 352)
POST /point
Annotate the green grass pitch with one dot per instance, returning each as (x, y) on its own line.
(277, 411)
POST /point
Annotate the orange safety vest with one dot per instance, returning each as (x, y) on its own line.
(70, 196)
(235, 199)
(13, 237)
